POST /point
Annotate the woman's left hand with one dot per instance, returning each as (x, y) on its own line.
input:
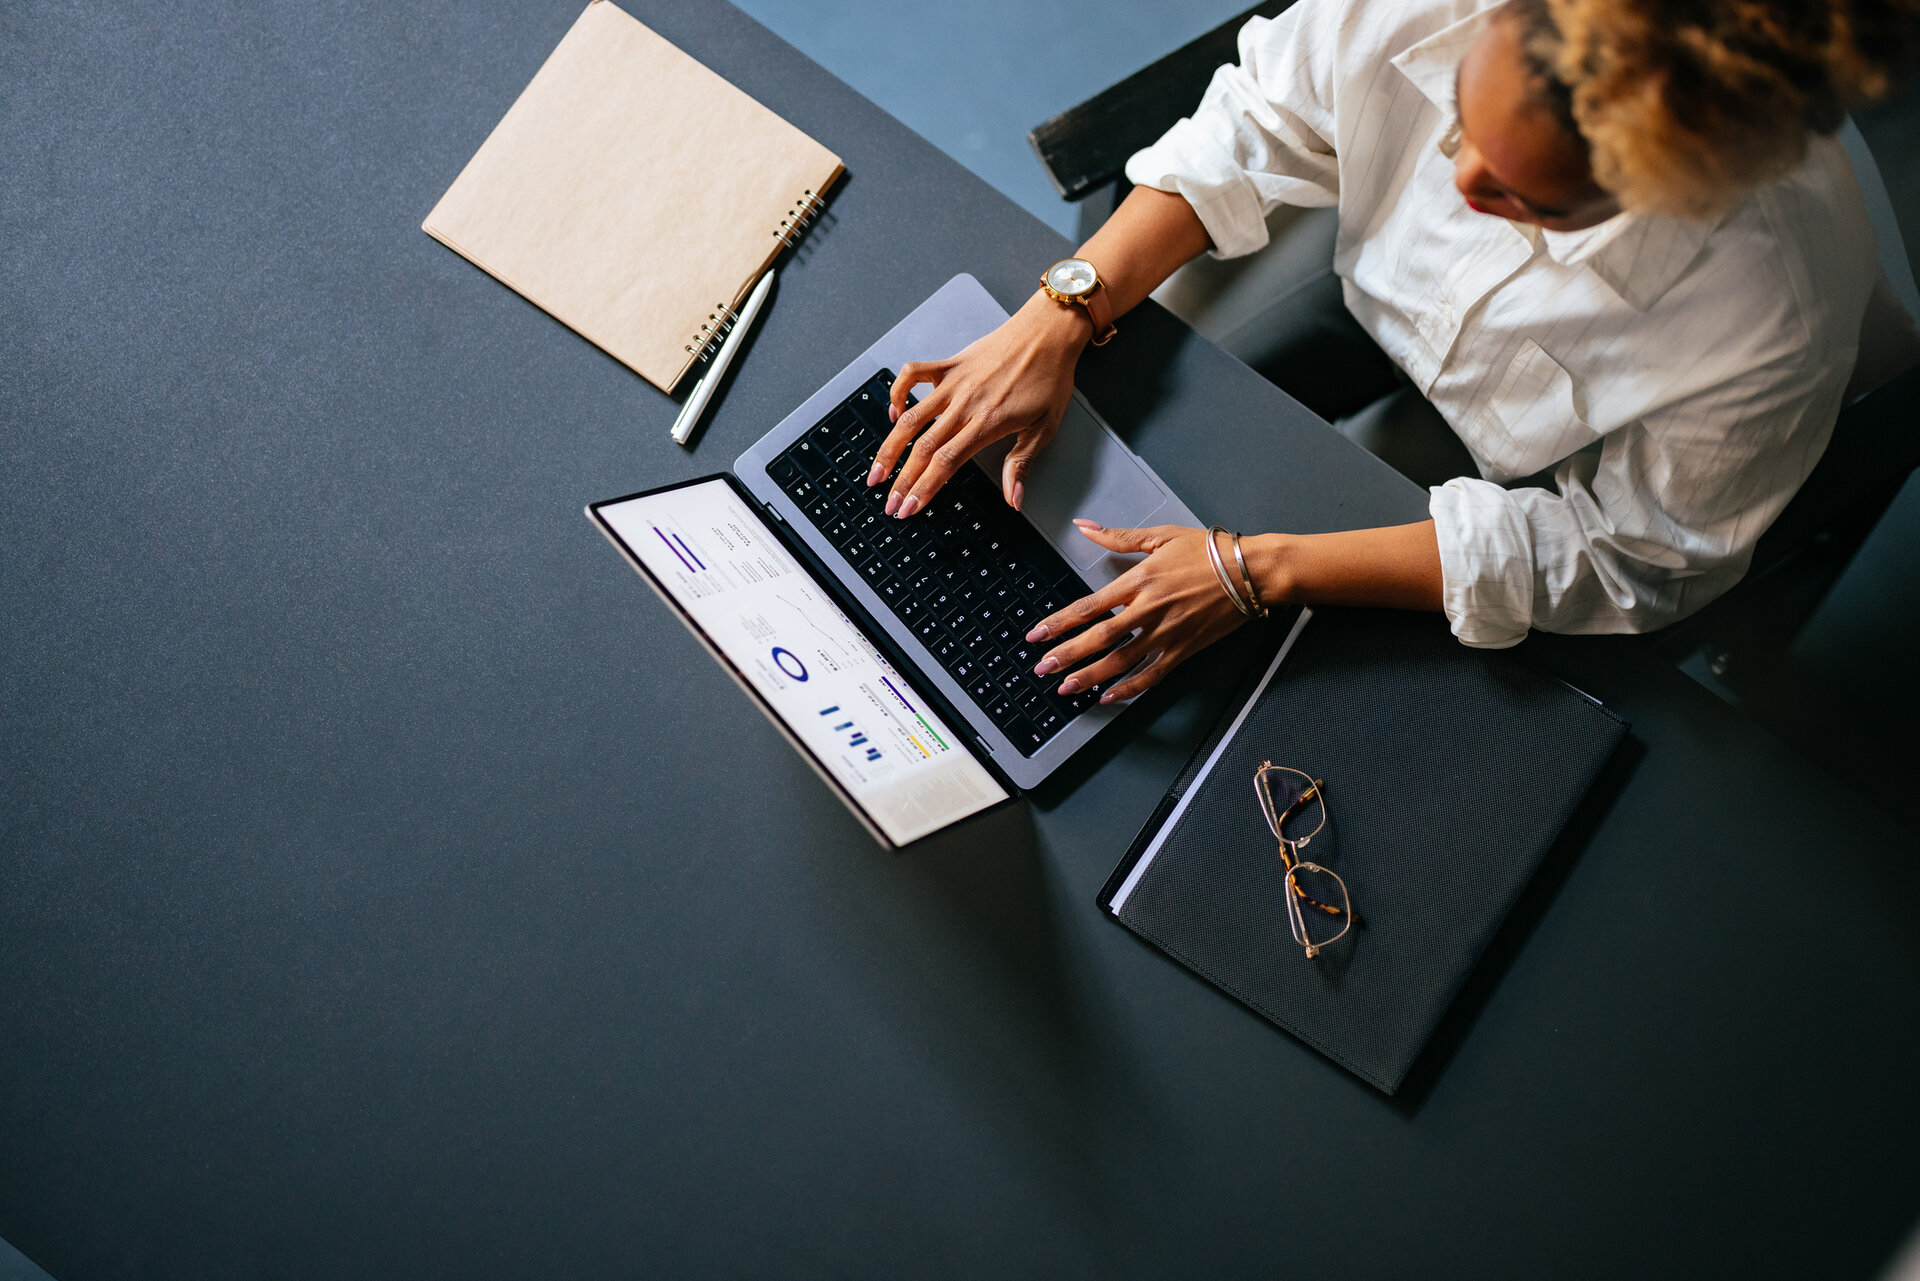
(1172, 600)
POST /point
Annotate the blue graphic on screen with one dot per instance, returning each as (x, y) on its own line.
(781, 659)
(857, 738)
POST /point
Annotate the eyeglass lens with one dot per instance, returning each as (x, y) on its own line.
(1319, 912)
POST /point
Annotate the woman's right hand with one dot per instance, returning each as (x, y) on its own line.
(1015, 382)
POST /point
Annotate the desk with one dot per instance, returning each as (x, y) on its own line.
(390, 888)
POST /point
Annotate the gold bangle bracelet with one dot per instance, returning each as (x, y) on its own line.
(1253, 593)
(1220, 569)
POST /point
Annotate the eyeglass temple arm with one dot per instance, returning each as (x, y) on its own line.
(1304, 797)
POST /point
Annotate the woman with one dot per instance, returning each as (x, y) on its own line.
(1608, 237)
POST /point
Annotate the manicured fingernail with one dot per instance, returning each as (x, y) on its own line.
(1107, 697)
(1019, 493)
(1088, 524)
(1039, 633)
(1047, 667)
(893, 413)
(1071, 685)
(909, 507)
(893, 503)
(877, 475)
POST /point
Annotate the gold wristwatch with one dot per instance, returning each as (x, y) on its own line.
(1075, 282)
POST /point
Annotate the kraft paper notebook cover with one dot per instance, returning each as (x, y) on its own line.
(634, 195)
(1449, 772)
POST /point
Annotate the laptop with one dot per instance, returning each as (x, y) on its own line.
(893, 653)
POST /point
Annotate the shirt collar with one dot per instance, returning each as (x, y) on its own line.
(1431, 63)
(1640, 256)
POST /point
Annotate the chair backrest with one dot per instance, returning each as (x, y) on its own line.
(1890, 330)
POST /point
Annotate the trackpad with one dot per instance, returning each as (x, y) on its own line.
(1085, 471)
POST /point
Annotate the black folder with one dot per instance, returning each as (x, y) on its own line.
(1449, 774)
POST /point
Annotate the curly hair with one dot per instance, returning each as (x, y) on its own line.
(1687, 105)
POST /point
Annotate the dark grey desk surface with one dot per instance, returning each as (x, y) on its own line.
(389, 888)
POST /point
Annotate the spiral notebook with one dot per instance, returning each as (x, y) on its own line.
(1449, 774)
(634, 195)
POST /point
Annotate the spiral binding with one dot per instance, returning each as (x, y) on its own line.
(713, 332)
(723, 318)
(804, 211)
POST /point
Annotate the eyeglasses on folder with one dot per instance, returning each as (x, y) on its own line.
(1319, 912)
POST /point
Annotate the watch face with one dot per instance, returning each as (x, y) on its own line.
(1071, 276)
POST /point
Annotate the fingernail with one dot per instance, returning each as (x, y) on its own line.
(1047, 667)
(1088, 524)
(893, 413)
(1107, 697)
(875, 476)
(1071, 685)
(893, 503)
(909, 507)
(1019, 493)
(1039, 633)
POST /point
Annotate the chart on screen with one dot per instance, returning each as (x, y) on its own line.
(824, 679)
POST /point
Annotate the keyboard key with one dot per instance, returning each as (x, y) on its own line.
(982, 689)
(810, 459)
(783, 471)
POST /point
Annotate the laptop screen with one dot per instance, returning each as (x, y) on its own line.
(713, 556)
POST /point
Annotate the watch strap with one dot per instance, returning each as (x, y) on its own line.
(1100, 312)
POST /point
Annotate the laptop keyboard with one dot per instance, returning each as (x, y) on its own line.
(969, 576)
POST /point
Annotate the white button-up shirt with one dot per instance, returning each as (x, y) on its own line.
(1707, 359)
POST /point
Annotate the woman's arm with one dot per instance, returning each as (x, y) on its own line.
(1016, 381)
(1174, 601)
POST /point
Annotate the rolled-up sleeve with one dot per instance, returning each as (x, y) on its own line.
(1660, 522)
(1262, 134)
